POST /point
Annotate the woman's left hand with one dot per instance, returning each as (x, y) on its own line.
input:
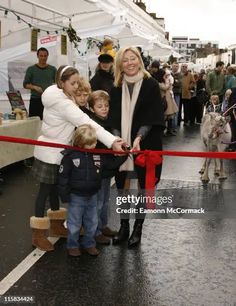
(136, 144)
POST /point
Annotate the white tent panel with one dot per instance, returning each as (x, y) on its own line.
(122, 20)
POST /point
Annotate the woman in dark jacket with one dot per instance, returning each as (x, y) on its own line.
(136, 113)
(103, 78)
(232, 101)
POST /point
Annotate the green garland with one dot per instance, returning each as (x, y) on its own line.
(73, 37)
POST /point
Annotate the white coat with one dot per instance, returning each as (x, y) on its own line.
(60, 117)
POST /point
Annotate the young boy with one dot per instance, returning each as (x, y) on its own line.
(78, 184)
(214, 105)
(99, 105)
(82, 95)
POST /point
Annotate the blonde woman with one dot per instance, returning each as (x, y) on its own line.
(137, 115)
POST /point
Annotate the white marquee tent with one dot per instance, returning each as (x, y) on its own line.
(122, 20)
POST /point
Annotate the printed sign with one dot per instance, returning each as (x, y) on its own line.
(63, 44)
(34, 40)
(16, 100)
(48, 41)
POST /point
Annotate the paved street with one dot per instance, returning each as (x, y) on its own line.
(181, 261)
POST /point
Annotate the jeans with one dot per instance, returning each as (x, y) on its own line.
(82, 211)
(176, 116)
(103, 196)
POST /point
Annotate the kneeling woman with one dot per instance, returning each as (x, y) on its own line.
(137, 115)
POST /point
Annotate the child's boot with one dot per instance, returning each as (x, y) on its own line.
(57, 219)
(40, 227)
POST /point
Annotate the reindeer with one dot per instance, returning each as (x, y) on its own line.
(215, 133)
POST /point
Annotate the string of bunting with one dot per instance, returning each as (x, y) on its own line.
(70, 31)
(90, 44)
(31, 25)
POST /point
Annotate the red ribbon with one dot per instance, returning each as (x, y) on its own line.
(149, 159)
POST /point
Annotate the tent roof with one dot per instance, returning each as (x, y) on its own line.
(89, 17)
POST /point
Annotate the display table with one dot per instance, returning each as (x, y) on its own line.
(14, 152)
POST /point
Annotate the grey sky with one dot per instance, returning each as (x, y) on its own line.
(204, 19)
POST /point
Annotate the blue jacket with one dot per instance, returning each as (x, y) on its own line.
(79, 173)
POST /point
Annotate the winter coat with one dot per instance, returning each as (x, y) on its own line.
(177, 82)
(232, 101)
(213, 108)
(172, 107)
(60, 117)
(187, 84)
(215, 83)
(110, 163)
(148, 112)
(78, 174)
(102, 80)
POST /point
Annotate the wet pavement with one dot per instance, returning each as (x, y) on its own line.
(180, 261)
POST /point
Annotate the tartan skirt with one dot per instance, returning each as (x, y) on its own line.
(44, 172)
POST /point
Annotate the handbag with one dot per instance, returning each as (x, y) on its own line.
(164, 103)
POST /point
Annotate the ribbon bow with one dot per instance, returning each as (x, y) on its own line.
(149, 159)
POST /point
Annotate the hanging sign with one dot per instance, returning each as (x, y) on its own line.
(50, 40)
(34, 40)
(63, 44)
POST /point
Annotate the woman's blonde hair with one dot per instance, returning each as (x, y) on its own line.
(84, 135)
(118, 70)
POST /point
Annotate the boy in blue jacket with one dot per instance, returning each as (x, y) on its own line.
(79, 182)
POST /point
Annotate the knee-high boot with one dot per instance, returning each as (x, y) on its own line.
(57, 219)
(135, 238)
(123, 233)
(40, 227)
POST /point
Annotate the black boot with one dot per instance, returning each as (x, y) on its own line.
(123, 233)
(135, 238)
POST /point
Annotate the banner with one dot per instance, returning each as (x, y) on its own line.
(63, 44)
(34, 40)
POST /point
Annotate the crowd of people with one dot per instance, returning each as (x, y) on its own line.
(195, 93)
(129, 104)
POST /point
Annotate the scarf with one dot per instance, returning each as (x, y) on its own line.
(128, 105)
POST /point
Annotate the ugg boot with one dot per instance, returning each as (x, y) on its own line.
(57, 218)
(135, 238)
(40, 227)
(123, 233)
